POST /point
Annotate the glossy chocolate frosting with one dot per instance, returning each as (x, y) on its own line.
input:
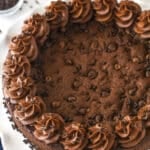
(80, 11)
(57, 14)
(74, 137)
(37, 26)
(142, 26)
(130, 131)
(29, 109)
(48, 128)
(24, 45)
(126, 13)
(104, 10)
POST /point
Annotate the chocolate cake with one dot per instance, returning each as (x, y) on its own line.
(78, 77)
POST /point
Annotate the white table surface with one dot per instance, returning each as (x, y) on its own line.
(11, 139)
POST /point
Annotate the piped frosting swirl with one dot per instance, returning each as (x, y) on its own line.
(104, 10)
(142, 26)
(101, 137)
(126, 13)
(80, 11)
(48, 128)
(16, 65)
(144, 114)
(74, 137)
(130, 131)
(24, 45)
(57, 14)
(19, 88)
(29, 110)
(38, 27)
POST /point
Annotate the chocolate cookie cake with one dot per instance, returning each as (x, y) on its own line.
(78, 77)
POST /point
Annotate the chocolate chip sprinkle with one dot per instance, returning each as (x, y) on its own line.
(71, 98)
(76, 84)
(82, 111)
(92, 74)
(112, 47)
(68, 61)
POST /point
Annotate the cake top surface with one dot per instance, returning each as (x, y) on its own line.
(79, 75)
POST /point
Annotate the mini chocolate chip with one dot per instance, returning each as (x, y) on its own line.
(56, 104)
(132, 92)
(25, 1)
(94, 45)
(77, 68)
(76, 83)
(71, 98)
(92, 74)
(98, 118)
(117, 66)
(26, 141)
(82, 111)
(68, 61)
(135, 60)
(112, 47)
(105, 92)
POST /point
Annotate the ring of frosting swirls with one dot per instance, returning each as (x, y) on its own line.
(104, 10)
(19, 88)
(38, 27)
(142, 26)
(74, 137)
(57, 14)
(126, 13)
(29, 110)
(130, 131)
(80, 11)
(144, 114)
(48, 128)
(24, 45)
(100, 137)
(16, 65)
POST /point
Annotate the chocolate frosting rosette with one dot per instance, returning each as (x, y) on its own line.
(130, 131)
(16, 65)
(80, 11)
(24, 45)
(48, 128)
(101, 137)
(19, 88)
(29, 109)
(142, 26)
(126, 13)
(144, 114)
(38, 27)
(57, 14)
(74, 137)
(104, 10)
